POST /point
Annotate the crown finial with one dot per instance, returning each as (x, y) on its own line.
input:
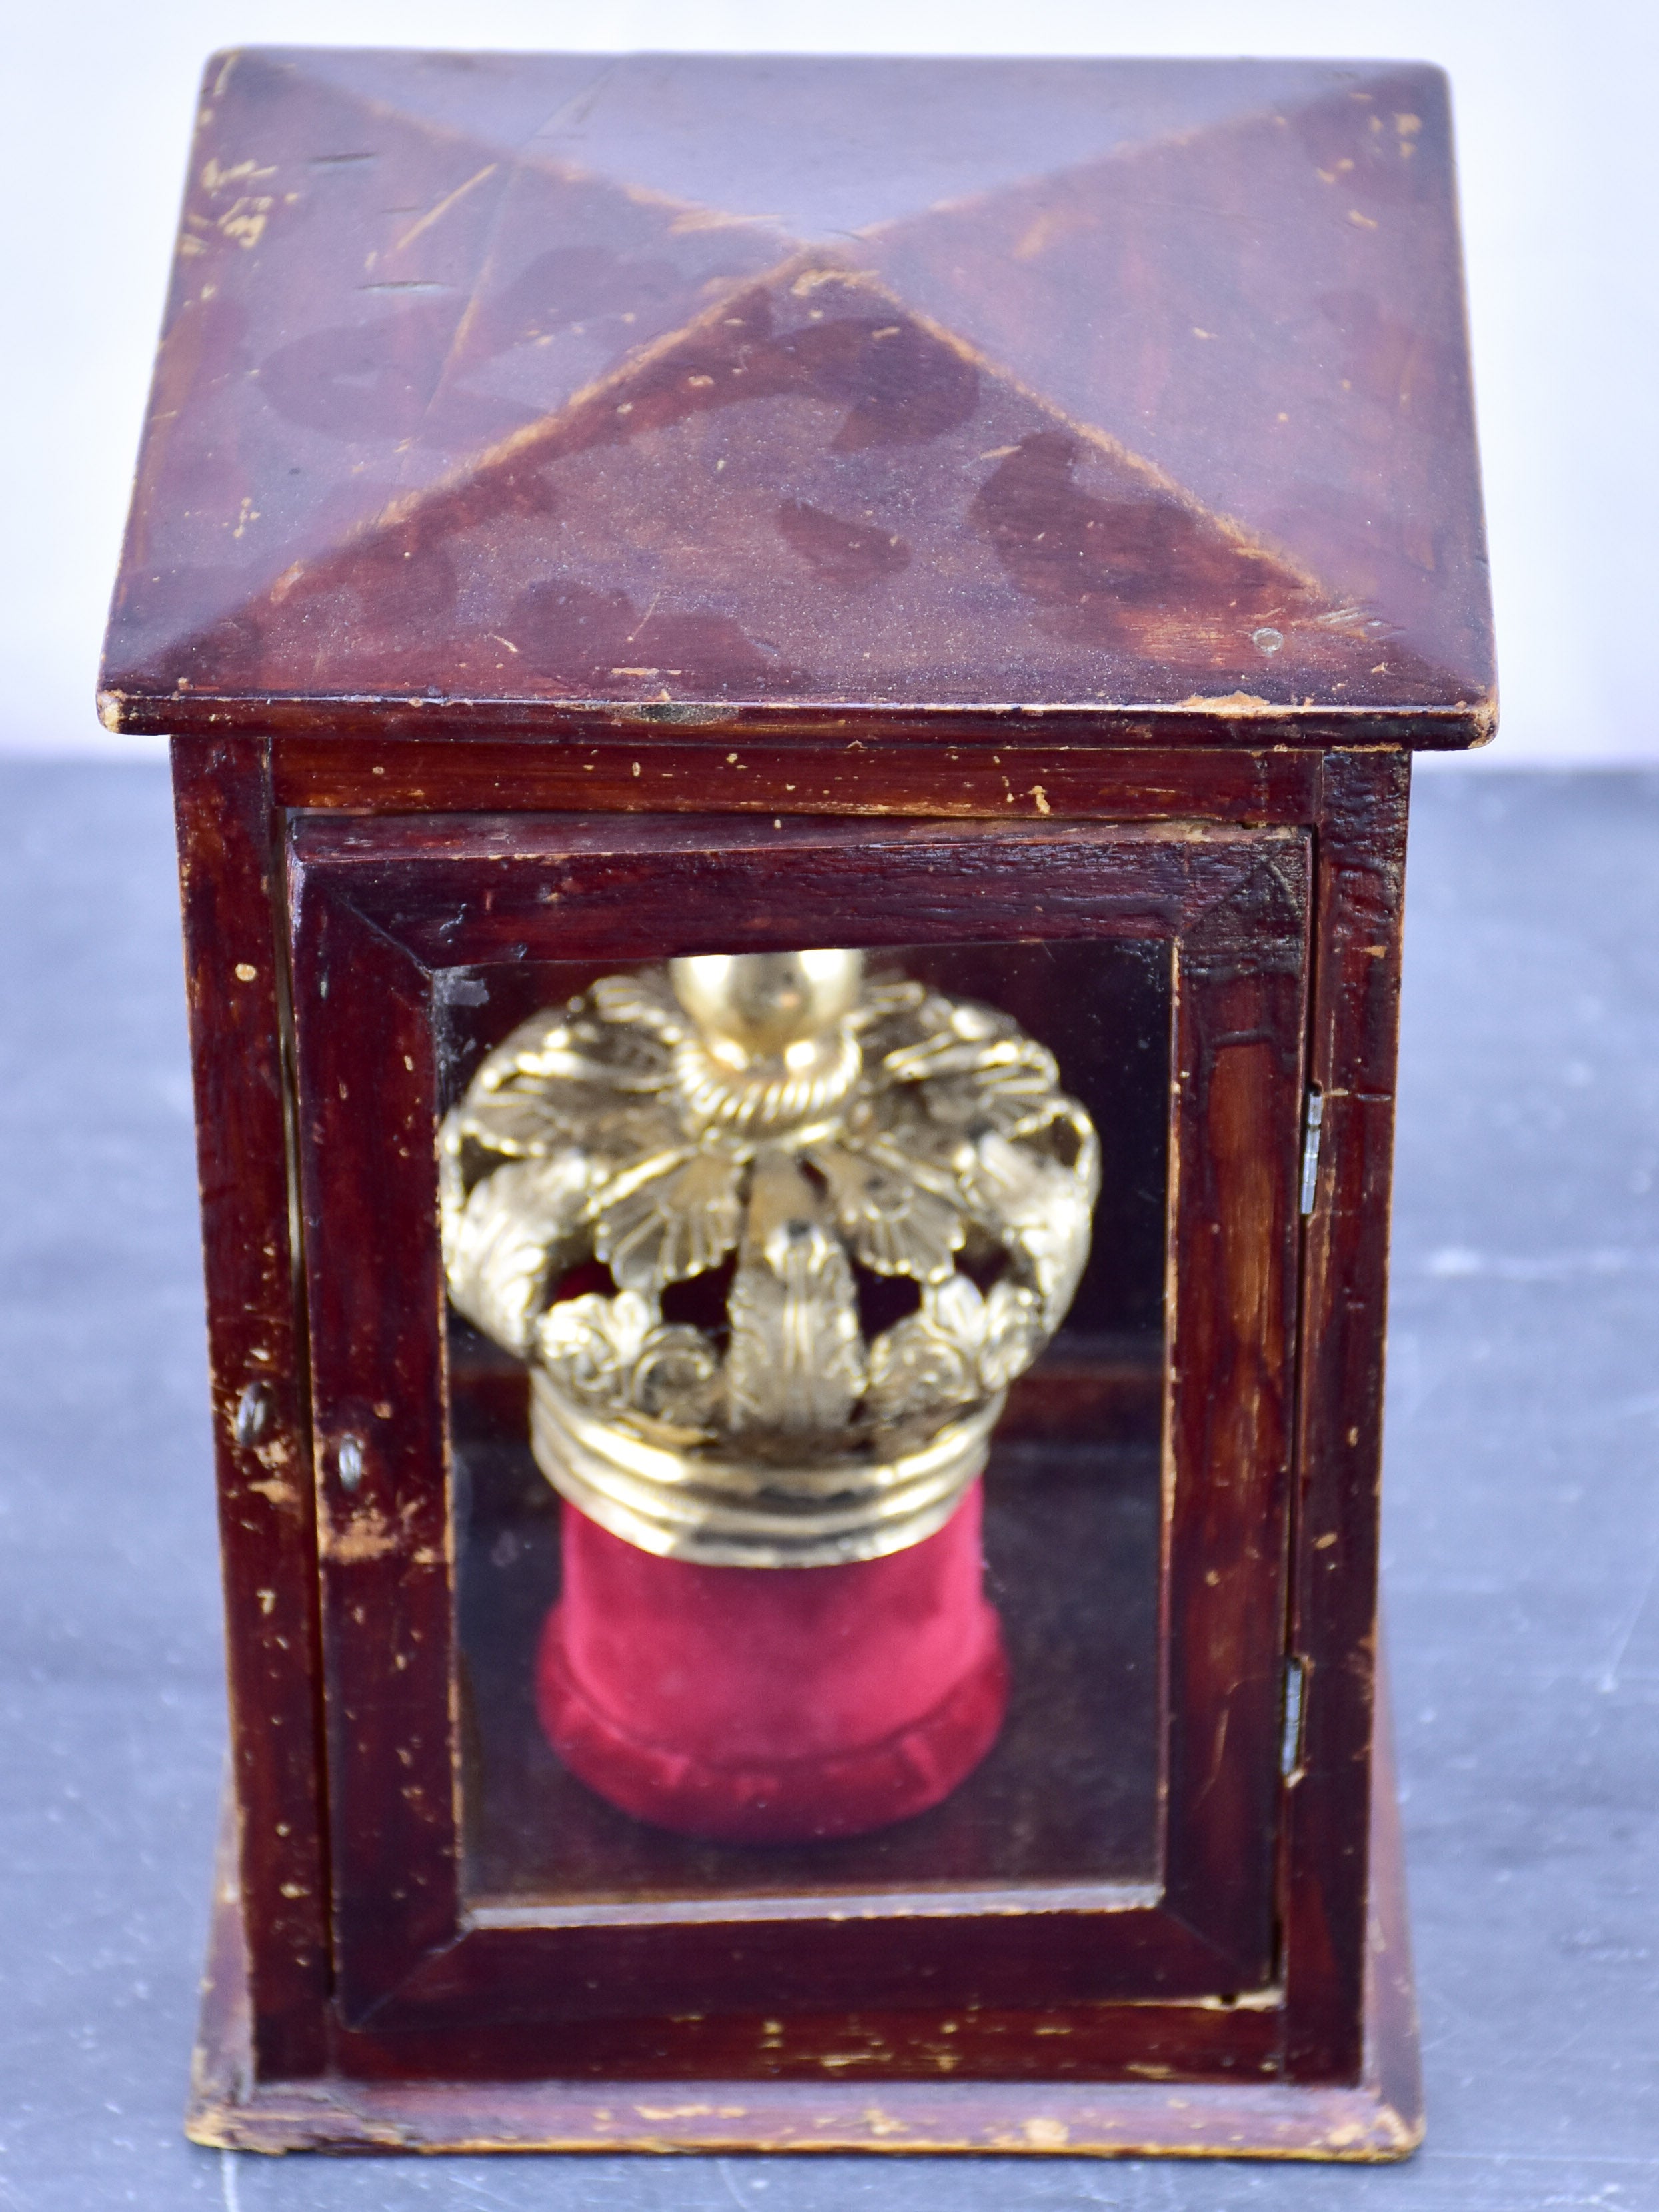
(766, 1003)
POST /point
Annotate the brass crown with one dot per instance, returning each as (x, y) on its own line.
(810, 1127)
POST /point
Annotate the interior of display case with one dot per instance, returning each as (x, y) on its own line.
(1070, 1795)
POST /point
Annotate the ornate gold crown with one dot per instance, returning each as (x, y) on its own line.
(781, 1136)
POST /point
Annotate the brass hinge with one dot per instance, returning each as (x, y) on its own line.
(1290, 1739)
(1312, 1124)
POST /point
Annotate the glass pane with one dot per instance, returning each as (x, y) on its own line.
(1049, 1771)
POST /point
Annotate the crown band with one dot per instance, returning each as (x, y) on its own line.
(730, 1512)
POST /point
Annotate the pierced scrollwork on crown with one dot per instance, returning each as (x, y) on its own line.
(902, 1133)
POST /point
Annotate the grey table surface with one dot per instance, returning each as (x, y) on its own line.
(1521, 1551)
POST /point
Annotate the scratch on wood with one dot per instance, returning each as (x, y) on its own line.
(436, 213)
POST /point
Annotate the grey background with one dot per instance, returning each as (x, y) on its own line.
(1523, 1541)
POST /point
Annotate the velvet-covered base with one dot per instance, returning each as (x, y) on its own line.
(782, 1705)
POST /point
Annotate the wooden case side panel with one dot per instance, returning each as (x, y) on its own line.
(1353, 1048)
(368, 1183)
(234, 972)
(1241, 980)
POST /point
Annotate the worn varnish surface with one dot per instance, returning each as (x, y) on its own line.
(1354, 1034)
(593, 508)
(236, 976)
(1279, 1862)
(552, 391)
(384, 913)
(827, 2095)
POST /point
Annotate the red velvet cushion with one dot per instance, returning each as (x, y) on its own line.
(755, 1704)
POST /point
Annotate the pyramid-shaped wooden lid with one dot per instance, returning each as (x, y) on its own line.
(554, 392)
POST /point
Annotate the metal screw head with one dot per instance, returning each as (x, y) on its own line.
(252, 1415)
(349, 1461)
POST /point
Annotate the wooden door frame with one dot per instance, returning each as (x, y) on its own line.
(381, 912)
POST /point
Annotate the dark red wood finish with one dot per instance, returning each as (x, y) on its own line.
(581, 497)
(550, 393)
(1306, 2024)
(1156, 2100)
(1352, 1046)
(409, 774)
(236, 973)
(382, 913)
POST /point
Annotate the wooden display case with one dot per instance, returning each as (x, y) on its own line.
(1017, 518)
